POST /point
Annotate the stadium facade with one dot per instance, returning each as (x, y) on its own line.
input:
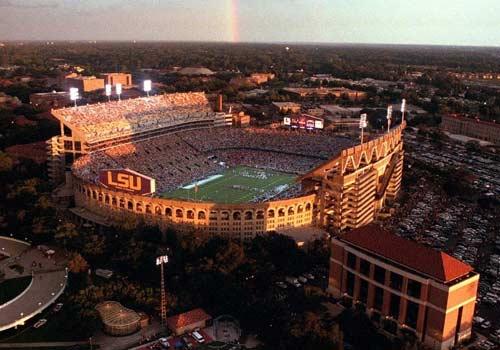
(169, 140)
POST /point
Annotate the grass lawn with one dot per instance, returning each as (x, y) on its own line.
(11, 288)
(236, 185)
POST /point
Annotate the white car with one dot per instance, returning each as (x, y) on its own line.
(198, 337)
(164, 343)
(302, 279)
(40, 323)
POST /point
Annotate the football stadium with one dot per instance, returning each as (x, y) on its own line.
(172, 161)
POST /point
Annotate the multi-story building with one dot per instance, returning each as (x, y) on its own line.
(45, 101)
(117, 78)
(84, 83)
(405, 285)
(287, 107)
(321, 92)
(479, 129)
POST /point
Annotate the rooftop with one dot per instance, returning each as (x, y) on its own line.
(435, 264)
(187, 318)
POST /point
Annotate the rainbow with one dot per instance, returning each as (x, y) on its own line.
(234, 33)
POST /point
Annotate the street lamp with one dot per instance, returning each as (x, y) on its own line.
(73, 94)
(108, 91)
(403, 110)
(118, 88)
(147, 86)
(362, 125)
(389, 117)
(161, 260)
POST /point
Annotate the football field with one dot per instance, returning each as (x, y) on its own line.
(236, 185)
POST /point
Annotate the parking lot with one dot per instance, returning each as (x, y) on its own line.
(462, 229)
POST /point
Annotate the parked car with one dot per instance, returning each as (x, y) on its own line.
(40, 323)
(282, 285)
(58, 307)
(164, 343)
(198, 337)
(293, 281)
(302, 279)
(309, 276)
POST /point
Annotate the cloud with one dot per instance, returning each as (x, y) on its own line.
(28, 4)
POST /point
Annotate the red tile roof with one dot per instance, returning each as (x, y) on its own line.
(410, 254)
(187, 318)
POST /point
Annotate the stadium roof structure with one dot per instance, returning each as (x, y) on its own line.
(114, 314)
(435, 264)
(195, 71)
(102, 121)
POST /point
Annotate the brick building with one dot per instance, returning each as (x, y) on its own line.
(117, 78)
(479, 129)
(405, 285)
(85, 83)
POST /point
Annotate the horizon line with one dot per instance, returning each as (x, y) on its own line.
(324, 43)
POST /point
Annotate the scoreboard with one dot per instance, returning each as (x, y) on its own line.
(303, 121)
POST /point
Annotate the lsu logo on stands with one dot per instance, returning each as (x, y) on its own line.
(127, 180)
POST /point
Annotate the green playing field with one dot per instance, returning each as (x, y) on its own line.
(236, 185)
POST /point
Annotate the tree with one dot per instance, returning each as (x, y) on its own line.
(78, 264)
(6, 163)
(66, 232)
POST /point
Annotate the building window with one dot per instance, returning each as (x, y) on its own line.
(351, 260)
(350, 284)
(363, 291)
(394, 306)
(378, 300)
(411, 314)
(414, 288)
(379, 274)
(68, 145)
(396, 281)
(364, 267)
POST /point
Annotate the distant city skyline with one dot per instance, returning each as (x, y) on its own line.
(442, 22)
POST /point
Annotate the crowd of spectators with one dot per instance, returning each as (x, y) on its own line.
(322, 145)
(168, 159)
(120, 118)
(184, 157)
(289, 163)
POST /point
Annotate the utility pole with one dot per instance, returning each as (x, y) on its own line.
(161, 260)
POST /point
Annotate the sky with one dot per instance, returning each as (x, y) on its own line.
(440, 22)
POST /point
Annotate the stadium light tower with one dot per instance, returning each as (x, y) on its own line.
(389, 117)
(161, 260)
(73, 94)
(403, 110)
(118, 88)
(147, 86)
(108, 91)
(362, 125)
